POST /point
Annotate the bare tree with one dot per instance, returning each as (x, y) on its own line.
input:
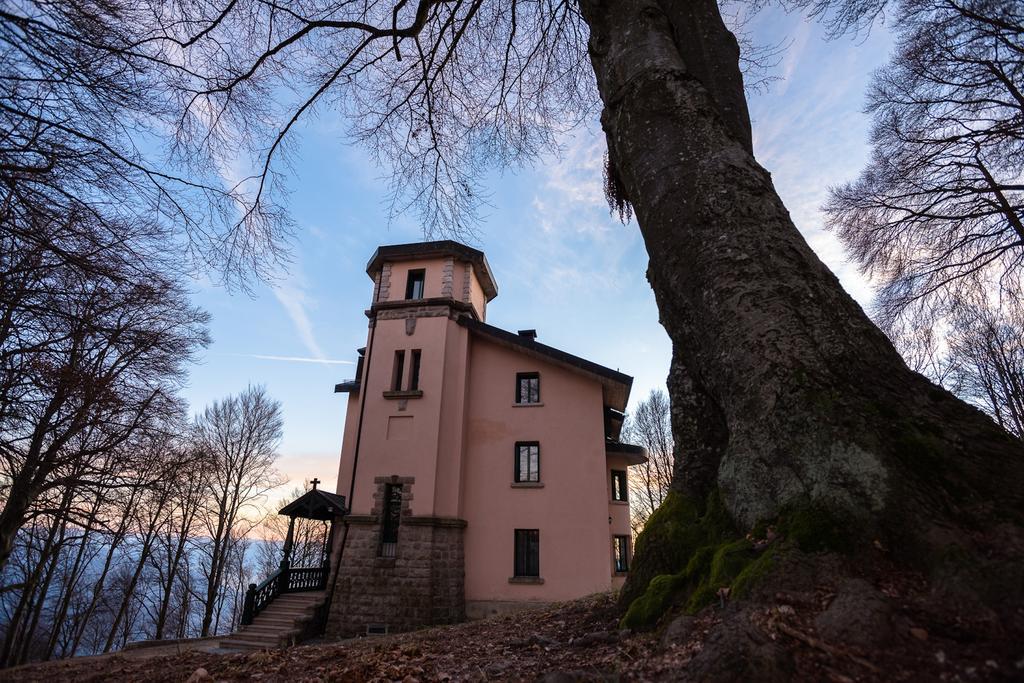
(238, 436)
(149, 519)
(88, 362)
(170, 561)
(986, 359)
(940, 205)
(85, 91)
(650, 426)
(780, 384)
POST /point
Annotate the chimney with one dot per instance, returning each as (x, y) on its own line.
(529, 334)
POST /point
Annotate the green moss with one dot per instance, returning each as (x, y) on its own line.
(656, 600)
(753, 573)
(710, 555)
(729, 560)
(704, 595)
(700, 561)
(814, 528)
(699, 552)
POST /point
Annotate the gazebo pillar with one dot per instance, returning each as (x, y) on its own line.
(284, 578)
(288, 542)
(327, 548)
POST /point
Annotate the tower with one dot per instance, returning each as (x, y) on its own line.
(401, 561)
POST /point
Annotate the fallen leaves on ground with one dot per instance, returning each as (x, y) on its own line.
(573, 641)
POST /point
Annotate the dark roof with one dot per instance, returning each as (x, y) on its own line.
(349, 386)
(616, 385)
(316, 504)
(635, 455)
(423, 250)
(613, 421)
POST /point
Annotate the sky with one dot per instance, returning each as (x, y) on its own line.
(563, 264)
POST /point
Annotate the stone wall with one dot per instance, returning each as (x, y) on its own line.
(423, 585)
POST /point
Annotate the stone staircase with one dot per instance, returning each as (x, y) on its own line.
(279, 624)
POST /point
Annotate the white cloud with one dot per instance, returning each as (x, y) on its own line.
(809, 131)
(571, 198)
(290, 291)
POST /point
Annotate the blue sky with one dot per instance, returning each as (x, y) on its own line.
(563, 265)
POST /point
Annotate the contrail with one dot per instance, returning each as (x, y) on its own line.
(295, 359)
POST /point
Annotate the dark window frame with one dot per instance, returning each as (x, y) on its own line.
(414, 369)
(526, 553)
(525, 377)
(621, 553)
(398, 370)
(415, 276)
(620, 493)
(517, 469)
(391, 515)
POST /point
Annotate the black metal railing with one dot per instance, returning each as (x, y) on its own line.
(258, 597)
(306, 579)
(284, 580)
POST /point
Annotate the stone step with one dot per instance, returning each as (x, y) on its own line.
(289, 613)
(295, 603)
(260, 635)
(286, 614)
(267, 639)
(285, 600)
(290, 607)
(278, 634)
(239, 644)
(277, 623)
(275, 626)
(279, 616)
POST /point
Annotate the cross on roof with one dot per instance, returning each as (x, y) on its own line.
(314, 482)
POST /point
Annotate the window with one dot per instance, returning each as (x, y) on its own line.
(399, 370)
(414, 370)
(527, 552)
(619, 486)
(414, 285)
(620, 546)
(527, 461)
(390, 519)
(527, 387)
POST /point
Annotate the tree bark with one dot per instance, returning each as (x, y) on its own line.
(784, 393)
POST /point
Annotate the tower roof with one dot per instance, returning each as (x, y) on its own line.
(425, 250)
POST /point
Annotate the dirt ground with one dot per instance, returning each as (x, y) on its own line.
(575, 641)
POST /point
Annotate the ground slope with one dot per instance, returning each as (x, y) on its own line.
(780, 638)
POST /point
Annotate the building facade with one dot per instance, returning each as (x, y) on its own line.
(482, 468)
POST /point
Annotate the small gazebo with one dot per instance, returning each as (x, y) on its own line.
(314, 504)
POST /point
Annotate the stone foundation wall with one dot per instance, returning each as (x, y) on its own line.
(423, 585)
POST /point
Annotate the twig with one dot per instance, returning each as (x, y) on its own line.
(825, 647)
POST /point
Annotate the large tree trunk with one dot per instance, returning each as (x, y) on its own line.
(784, 393)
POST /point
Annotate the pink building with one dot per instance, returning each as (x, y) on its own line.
(482, 469)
